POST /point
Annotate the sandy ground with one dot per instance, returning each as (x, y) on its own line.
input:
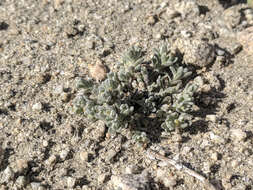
(45, 45)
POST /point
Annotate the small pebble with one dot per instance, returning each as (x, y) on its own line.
(158, 36)
(7, 176)
(58, 3)
(164, 177)
(205, 143)
(132, 169)
(249, 17)
(130, 182)
(36, 186)
(186, 150)
(99, 131)
(163, 4)
(160, 173)
(214, 156)
(21, 165)
(199, 81)
(235, 49)
(110, 155)
(220, 52)
(188, 9)
(211, 117)
(51, 160)
(64, 154)
(221, 59)
(65, 97)
(37, 107)
(239, 186)
(45, 143)
(246, 39)
(21, 181)
(43, 78)
(162, 164)
(238, 135)
(197, 52)
(216, 138)
(58, 90)
(71, 182)
(171, 14)
(170, 182)
(248, 14)
(248, 11)
(97, 71)
(90, 44)
(235, 163)
(84, 156)
(102, 178)
(186, 34)
(206, 167)
(177, 138)
(232, 17)
(135, 19)
(152, 20)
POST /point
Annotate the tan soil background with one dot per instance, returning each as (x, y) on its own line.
(45, 45)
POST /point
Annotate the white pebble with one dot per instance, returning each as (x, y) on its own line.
(64, 154)
(211, 118)
(71, 182)
(21, 181)
(215, 156)
(238, 135)
(7, 176)
(84, 156)
(186, 34)
(36, 107)
(216, 138)
(132, 169)
(58, 89)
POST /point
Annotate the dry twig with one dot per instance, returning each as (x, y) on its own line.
(156, 156)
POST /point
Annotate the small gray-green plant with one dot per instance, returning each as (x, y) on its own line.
(158, 88)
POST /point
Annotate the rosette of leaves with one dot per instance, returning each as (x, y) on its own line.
(138, 90)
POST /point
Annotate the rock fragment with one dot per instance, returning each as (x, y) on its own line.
(7, 175)
(37, 106)
(132, 169)
(215, 156)
(246, 39)
(71, 182)
(151, 20)
(36, 186)
(21, 181)
(211, 117)
(167, 180)
(196, 52)
(84, 156)
(171, 14)
(238, 135)
(97, 71)
(102, 178)
(131, 182)
(21, 165)
(187, 8)
(232, 17)
(64, 154)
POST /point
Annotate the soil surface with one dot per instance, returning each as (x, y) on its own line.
(45, 45)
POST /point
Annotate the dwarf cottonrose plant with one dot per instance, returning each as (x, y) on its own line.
(138, 90)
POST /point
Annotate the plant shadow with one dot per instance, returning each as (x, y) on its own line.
(228, 3)
(207, 102)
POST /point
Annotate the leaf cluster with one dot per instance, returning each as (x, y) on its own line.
(138, 90)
